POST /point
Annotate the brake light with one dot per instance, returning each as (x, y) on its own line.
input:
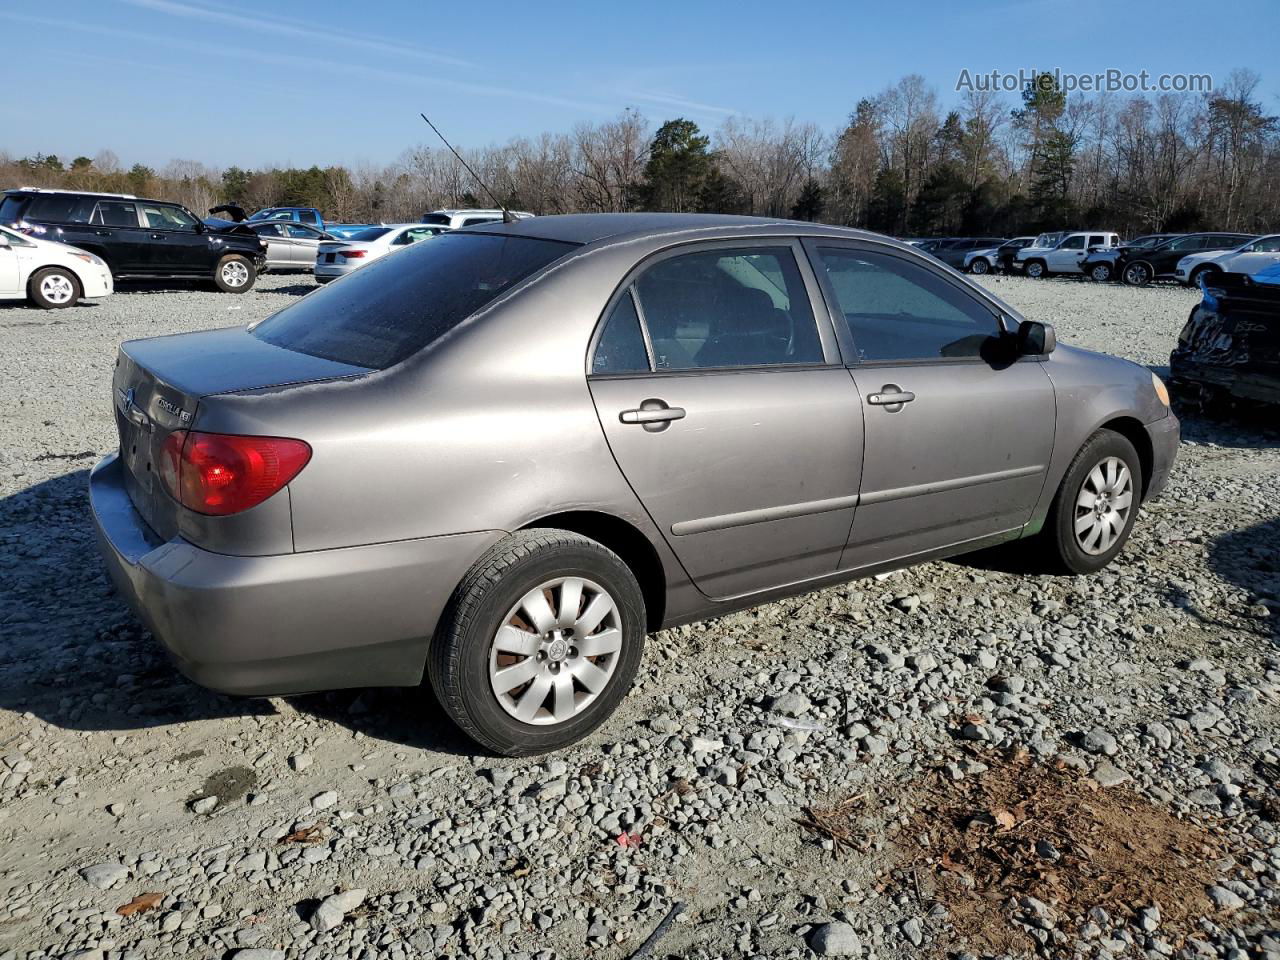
(353, 254)
(218, 474)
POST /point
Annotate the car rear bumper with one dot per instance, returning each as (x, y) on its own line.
(293, 623)
(1241, 384)
(1165, 435)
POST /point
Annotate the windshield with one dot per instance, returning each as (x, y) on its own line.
(368, 233)
(391, 309)
(1048, 239)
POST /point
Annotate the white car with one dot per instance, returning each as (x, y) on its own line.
(1250, 257)
(337, 258)
(453, 219)
(1065, 256)
(988, 259)
(51, 275)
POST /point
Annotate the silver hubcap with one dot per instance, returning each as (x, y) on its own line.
(57, 289)
(1103, 505)
(979, 266)
(1034, 270)
(556, 651)
(1101, 273)
(1137, 274)
(235, 274)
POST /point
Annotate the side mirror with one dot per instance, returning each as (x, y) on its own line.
(201, 227)
(4, 241)
(1036, 339)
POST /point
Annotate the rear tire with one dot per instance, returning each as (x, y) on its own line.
(1137, 274)
(1096, 504)
(1036, 269)
(488, 615)
(234, 274)
(55, 288)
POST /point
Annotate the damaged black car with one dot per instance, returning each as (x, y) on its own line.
(1229, 348)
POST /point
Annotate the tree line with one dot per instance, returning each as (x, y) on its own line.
(902, 164)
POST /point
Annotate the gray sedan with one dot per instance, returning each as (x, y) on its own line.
(501, 458)
(290, 246)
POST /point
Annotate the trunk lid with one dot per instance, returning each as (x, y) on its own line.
(159, 383)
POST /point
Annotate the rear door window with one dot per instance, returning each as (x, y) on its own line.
(621, 348)
(1072, 243)
(740, 307)
(60, 208)
(898, 310)
(115, 213)
(396, 306)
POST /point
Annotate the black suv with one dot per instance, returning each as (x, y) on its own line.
(139, 238)
(1138, 266)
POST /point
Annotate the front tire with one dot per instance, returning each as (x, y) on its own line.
(234, 274)
(1137, 274)
(55, 288)
(1199, 274)
(1096, 504)
(539, 643)
(979, 266)
(1100, 272)
(1036, 269)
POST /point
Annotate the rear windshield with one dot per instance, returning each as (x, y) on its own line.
(389, 310)
(368, 233)
(11, 208)
(442, 218)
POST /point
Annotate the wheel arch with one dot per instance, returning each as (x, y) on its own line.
(1132, 430)
(629, 543)
(35, 274)
(1144, 263)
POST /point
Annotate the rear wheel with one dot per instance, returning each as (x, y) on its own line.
(1101, 272)
(1096, 504)
(54, 288)
(234, 274)
(1036, 269)
(1137, 274)
(539, 643)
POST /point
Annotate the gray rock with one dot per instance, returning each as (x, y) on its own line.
(300, 761)
(334, 909)
(1107, 774)
(1224, 899)
(790, 704)
(104, 876)
(1098, 740)
(323, 801)
(258, 953)
(204, 805)
(913, 930)
(835, 939)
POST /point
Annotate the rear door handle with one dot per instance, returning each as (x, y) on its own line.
(891, 397)
(653, 414)
(157, 236)
(103, 233)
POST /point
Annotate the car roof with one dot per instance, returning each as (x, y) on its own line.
(587, 228)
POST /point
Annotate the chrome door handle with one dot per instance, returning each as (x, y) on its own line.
(891, 397)
(653, 414)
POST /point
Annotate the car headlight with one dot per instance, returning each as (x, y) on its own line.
(1161, 390)
(90, 259)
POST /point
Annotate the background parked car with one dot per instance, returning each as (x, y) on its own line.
(51, 275)
(139, 238)
(1246, 258)
(953, 252)
(1138, 267)
(1100, 265)
(1230, 345)
(308, 215)
(290, 246)
(453, 219)
(985, 260)
(1067, 255)
(337, 258)
(345, 231)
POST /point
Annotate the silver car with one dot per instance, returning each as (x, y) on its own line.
(503, 457)
(290, 246)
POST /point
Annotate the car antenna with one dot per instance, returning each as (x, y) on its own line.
(507, 216)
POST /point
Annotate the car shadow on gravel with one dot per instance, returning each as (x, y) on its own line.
(73, 654)
(1250, 559)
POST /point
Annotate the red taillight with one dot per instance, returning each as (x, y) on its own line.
(218, 474)
(353, 254)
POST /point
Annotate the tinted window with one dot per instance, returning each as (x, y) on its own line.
(414, 235)
(383, 313)
(60, 208)
(11, 208)
(162, 217)
(1072, 243)
(440, 218)
(1265, 245)
(368, 233)
(1097, 241)
(268, 230)
(113, 213)
(620, 348)
(474, 220)
(728, 308)
(897, 310)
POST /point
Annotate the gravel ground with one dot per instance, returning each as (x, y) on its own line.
(143, 817)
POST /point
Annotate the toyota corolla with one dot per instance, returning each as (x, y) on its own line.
(498, 460)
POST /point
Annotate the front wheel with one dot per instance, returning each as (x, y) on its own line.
(1200, 275)
(1036, 269)
(1137, 274)
(55, 289)
(539, 643)
(1096, 504)
(1100, 272)
(234, 274)
(979, 266)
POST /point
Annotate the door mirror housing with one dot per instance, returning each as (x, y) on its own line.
(4, 241)
(1036, 339)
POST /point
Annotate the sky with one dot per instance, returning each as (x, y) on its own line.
(297, 82)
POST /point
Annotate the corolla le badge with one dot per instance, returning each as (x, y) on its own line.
(173, 410)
